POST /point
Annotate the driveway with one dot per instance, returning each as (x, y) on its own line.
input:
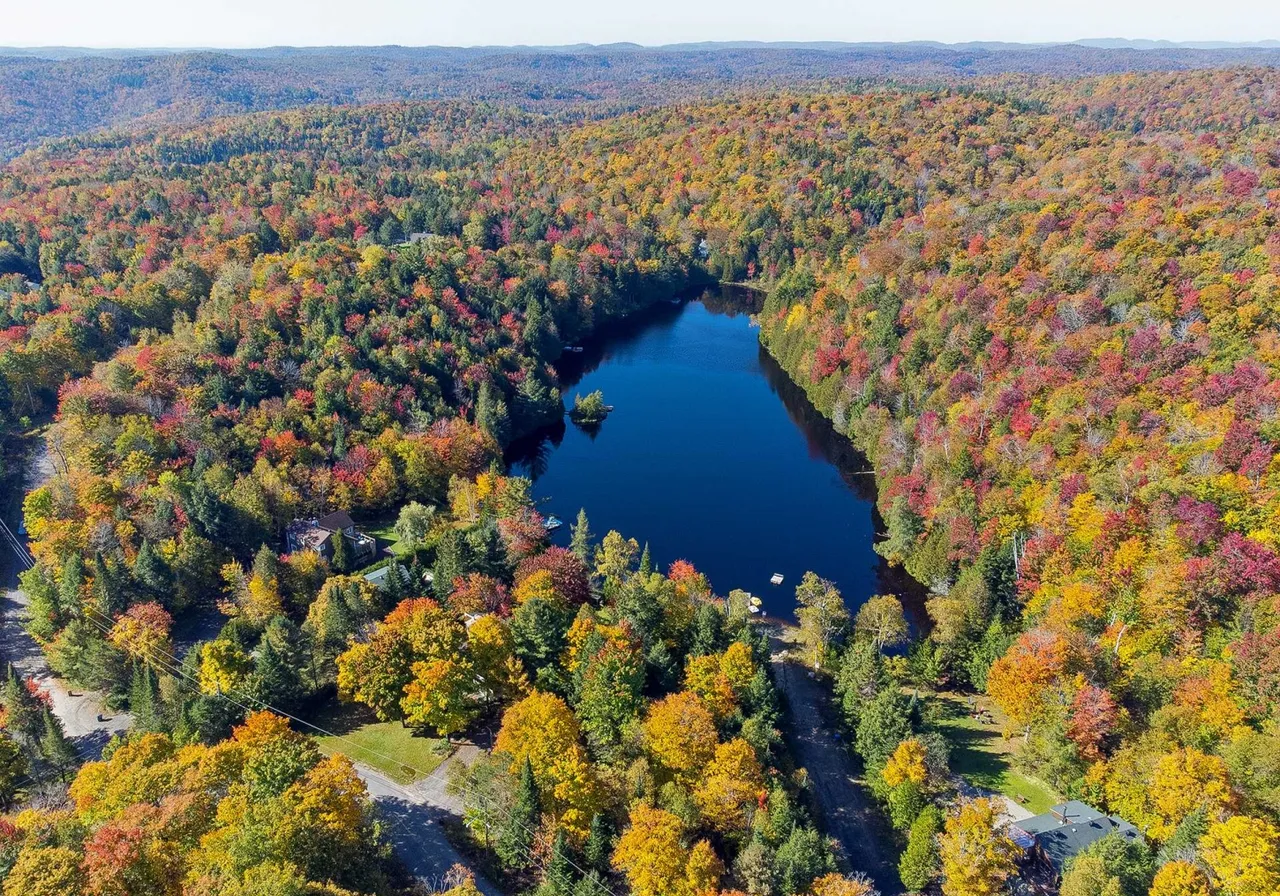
(414, 816)
(846, 807)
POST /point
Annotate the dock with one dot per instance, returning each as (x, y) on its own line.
(775, 579)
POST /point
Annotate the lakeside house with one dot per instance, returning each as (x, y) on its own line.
(1059, 835)
(318, 535)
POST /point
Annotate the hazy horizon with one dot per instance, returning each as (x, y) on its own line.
(243, 25)
(1155, 42)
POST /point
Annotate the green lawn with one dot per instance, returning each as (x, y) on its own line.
(981, 756)
(392, 749)
(385, 532)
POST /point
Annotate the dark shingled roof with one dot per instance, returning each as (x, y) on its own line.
(1066, 830)
(335, 521)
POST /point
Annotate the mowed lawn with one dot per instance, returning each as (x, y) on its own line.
(984, 758)
(385, 532)
(389, 747)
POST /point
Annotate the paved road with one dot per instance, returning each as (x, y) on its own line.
(412, 819)
(848, 811)
(414, 816)
(79, 713)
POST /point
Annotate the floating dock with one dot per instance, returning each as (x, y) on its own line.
(775, 579)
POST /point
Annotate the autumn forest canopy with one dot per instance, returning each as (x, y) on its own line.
(1044, 308)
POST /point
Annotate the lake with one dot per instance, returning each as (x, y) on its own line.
(711, 455)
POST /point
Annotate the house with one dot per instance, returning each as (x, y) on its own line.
(378, 577)
(318, 535)
(1062, 833)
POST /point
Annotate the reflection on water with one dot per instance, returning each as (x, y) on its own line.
(712, 454)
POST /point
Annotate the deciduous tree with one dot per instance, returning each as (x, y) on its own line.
(977, 855)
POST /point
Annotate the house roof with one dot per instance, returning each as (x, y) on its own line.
(1068, 829)
(335, 521)
(306, 535)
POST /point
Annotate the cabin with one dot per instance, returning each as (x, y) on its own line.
(318, 534)
(1053, 839)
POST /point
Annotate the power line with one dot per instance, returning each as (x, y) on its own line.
(173, 669)
(168, 665)
(24, 557)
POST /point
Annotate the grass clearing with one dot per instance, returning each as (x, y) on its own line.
(385, 532)
(982, 756)
(389, 747)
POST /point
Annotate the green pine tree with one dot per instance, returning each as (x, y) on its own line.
(341, 561)
(70, 583)
(516, 837)
(13, 771)
(275, 676)
(144, 699)
(560, 878)
(492, 415)
(395, 586)
(266, 564)
(580, 539)
(55, 748)
(22, 709)
(919, 862)
(451, 560)
(110, 597)
(599, 845)
(150, 572)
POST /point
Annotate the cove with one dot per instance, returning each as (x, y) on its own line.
(712, 455)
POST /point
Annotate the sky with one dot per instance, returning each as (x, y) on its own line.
(258, 23)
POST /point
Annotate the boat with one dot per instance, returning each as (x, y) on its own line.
(755, 601)
(576, 349)
(753, 609)
(552, 523)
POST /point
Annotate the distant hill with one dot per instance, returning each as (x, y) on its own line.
(59, 91)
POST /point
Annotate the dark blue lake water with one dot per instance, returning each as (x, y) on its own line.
(711, 455)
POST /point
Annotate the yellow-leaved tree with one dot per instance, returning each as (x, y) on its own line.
(1183, 781)
(1180, 878)
(680, 732)
(907, 764)
(542, 729)
(731, 787)
(977, 855)
(1241, 853)
(652, 855)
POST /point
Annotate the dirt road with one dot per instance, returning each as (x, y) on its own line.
(847, 808)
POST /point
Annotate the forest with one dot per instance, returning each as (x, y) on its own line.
(1044, 309)
(59, 92)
